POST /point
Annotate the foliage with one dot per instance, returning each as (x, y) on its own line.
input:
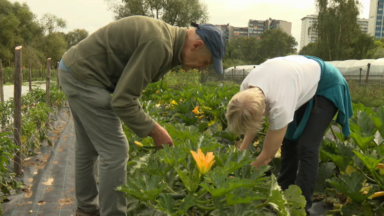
(52, 23)
(75, 36)
(40, 39)
(174, 12)
(362, 44)
(168, 181)
(310, 49)
(18, 27)
(34, 130)
(274, 43)
(356, 158)
(337, 28)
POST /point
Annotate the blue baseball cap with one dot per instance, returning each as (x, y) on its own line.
(214, 39)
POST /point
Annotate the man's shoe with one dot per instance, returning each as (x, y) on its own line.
(80, 212)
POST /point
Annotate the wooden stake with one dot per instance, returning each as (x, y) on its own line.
(57, 74)
(17, 109)
(48, 82)
(1, 82)
(30, 78)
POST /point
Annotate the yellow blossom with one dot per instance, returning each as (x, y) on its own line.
(380, 166)
(200, 117)
(196, 111)
(174, 102)
(204, 162)
(139, 144)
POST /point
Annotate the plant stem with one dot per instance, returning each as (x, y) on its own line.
(207, 208)
(366, 176)
(202, 202)
(333, 133)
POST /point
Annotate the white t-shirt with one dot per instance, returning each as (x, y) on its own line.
(288, 83)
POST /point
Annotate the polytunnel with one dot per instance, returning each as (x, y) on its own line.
(239, 70)
(352, 67)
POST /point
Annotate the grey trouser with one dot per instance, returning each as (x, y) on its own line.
(303, 155)
(98, 134)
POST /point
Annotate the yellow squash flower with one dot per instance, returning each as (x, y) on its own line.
(380, 166)
(139, 144)
(174, 102)
(196, 111)
(204, 162)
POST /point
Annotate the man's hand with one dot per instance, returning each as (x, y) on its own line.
(160, 136)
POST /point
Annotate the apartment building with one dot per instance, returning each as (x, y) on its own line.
(376, 19)
(309, 33)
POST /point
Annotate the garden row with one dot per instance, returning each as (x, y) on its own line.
(204, 174)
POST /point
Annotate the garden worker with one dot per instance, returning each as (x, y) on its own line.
(300, 95)
(121, 59)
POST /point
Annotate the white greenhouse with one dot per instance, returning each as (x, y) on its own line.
(351, 69)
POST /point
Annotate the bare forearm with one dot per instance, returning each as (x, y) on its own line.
(247, 141)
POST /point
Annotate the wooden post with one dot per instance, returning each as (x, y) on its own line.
(57, 76)
(48, 82)
(17, 110)
(360, 75)
(366, 79)
(30, 77)
(1, 82)
(2, 94)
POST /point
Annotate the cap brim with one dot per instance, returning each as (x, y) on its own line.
(218, 65)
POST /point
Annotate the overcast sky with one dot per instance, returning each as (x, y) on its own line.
(93, 14)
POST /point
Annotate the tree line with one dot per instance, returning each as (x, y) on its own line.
(339, 35)
(41, 38)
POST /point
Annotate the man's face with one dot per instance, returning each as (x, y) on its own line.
(200, 62)
(197, 57)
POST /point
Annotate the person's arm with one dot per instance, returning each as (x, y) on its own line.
(247, 141)
(272, 143)
(143, 65)
(160, 136)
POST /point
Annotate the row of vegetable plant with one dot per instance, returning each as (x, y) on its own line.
(35, 116)
(174, 181)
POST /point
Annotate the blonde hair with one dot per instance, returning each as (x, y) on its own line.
(245, 111)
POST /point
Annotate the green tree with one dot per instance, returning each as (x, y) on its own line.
(51, 23)
(274, 43)
(18, 27)
(337, 28)
(174, 12)
(53, 46)
(378, 51)
(310, 49)
(362, 46)
(75, 36)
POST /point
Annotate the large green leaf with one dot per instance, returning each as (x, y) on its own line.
(295, 201)
(190, 179)
(243, 195)
(337, 159)
(379, 121)
(362, 141)
(357, 209)
(220, 183)
(350, 185)
(369, 161)
(144, 187)
(326, 171)
(363, 120)
(172, 155)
